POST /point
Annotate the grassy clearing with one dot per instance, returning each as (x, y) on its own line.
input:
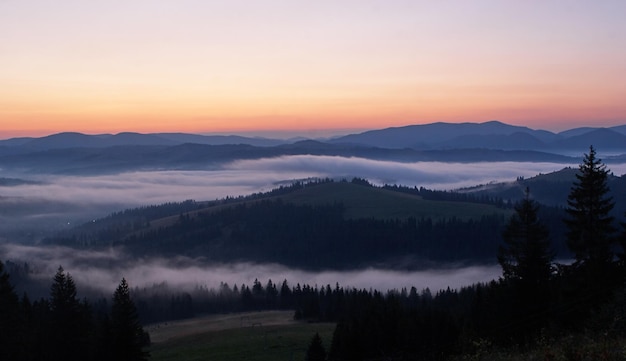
(370, 202)
(247, 336)
(363, 202)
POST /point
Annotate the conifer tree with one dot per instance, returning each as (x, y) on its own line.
(526, 257)
(63, 299)
(10, 323)
(526, 261)
(69, 318)
(127, 335)
(590, 237)
(316, 351)
(589, 222)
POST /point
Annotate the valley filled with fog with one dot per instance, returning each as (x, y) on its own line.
(59, 200)
(49, 203)
(97, 273)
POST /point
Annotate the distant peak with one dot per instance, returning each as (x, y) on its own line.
(64, 134)
(129, 133)
(497, 122)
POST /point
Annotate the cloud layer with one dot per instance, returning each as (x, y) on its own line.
(62, 201)
(101, 271)
(248, 176)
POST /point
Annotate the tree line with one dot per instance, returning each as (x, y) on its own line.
(65, 328)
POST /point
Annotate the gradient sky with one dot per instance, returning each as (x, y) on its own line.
(307, 66)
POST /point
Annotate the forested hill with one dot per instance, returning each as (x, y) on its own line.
(317, 225)
(550, 189)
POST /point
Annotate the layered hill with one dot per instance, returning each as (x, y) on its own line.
(319, 225)
(550, 189)
(489, 135)
(118, 159)
(328, 224)
(75, 153)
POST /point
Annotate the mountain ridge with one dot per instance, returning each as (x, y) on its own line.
(439, 135)
(77, 153)
(190, 156)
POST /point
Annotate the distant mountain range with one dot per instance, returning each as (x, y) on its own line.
(79, 140)
(489, 135)
(76, 153)
(435, 136)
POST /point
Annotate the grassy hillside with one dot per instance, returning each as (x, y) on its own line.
(361, 202)
(371, 202)
(551, 189)
(311, 225)
(257, 336)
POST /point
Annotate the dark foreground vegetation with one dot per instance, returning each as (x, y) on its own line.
(536, 301)
(62, 327)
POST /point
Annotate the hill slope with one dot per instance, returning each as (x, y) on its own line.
(308, 226)
(438, 134)
(371, 202)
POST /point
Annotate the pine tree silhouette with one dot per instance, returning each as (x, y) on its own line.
(590, 236)
(526, 257)
(316, 351)
(590, 225)
(127, 335)
(69, 319)
(10, 322)
(526, 261)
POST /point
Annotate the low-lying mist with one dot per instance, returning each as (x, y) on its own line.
(249, 176)
(30, 212)
(99, 272)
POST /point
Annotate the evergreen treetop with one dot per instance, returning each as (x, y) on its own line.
(589, 222)
(316, 350)
(127, 333)
(526, 256)
(10, 320)
(63, 294)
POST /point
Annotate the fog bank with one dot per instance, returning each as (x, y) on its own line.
(30, 212)
(101, 271)
(249, 176)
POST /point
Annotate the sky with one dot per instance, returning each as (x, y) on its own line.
(307, 67)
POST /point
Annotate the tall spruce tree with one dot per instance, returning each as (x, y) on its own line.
(526, 257)
(69, 319)
(127, 335)
(11, 335)
(589, 221)
(594, 275)
(316, 350)
(526, 260)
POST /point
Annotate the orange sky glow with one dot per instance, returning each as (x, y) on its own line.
(284, 66)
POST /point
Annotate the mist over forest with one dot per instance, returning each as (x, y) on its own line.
(51, 202)
(39, 205)
(98, 272)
